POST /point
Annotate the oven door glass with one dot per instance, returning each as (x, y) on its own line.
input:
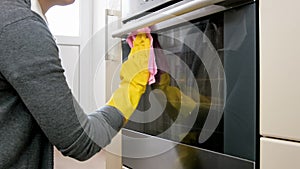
(205, 94)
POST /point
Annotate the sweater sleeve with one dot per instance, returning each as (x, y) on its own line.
(29, 61)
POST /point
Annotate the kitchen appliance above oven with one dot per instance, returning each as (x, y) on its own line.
(136, 8)
(201, 113)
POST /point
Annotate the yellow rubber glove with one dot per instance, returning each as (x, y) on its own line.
(175, 97)
(134, 76)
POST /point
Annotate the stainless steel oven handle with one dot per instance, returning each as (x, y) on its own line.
(160, 17)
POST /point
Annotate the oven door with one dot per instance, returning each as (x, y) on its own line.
(201, 112)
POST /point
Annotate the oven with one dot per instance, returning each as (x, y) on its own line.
(201, 113)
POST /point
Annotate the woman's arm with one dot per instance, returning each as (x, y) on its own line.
(30, 63)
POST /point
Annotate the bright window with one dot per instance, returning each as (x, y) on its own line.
(64, 20)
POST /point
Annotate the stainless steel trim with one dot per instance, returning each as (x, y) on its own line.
(136, 134)
(160, 17)
(137, 7)
(188, 17)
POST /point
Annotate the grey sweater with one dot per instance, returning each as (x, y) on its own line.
(37, 109)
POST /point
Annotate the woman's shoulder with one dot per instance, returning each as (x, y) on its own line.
(11, 16)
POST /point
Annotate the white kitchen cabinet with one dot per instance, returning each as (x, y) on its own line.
(279, 154)
(70, 61)
(279, 69)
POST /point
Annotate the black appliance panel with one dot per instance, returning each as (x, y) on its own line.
(190, 54)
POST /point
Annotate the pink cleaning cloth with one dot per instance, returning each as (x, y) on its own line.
(152, 67)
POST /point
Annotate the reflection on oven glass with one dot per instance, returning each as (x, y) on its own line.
(184, 80)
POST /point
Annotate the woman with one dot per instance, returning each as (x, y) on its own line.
(37, 109)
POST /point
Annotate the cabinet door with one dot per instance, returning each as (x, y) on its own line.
(70, 62)
(280, 69)
(279, 154)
